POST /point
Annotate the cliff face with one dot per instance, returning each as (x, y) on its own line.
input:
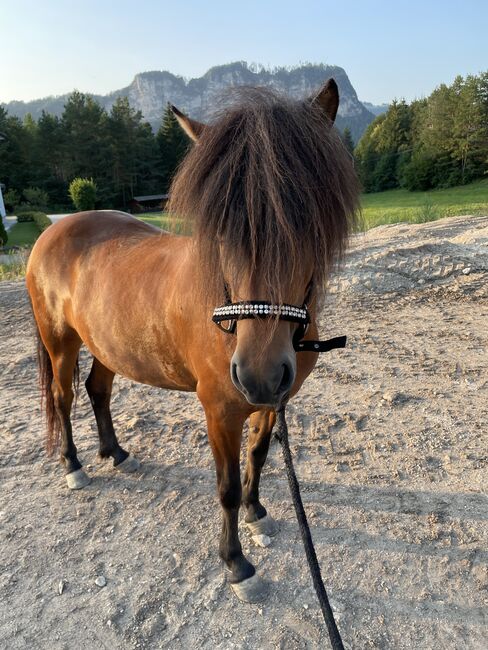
(149, 92)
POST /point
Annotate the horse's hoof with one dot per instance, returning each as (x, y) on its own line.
(77, 480)
(264, 526)
(251, 590)
(129, 465)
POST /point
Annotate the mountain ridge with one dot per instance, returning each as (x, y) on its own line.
(150, 92)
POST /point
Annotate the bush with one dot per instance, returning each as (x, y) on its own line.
(11, 200)
(427, 211)
(3, 233)
(36, 198)
(41, 220)
(83, 193)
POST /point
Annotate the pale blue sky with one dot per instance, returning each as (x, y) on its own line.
(388, 48)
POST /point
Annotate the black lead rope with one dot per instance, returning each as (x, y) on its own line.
(282, 435)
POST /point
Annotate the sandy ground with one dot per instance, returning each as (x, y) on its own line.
(390, 444)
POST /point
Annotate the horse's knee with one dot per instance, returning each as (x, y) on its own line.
(230, 492)
(259, 452)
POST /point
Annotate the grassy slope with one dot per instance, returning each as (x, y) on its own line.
(394, 206)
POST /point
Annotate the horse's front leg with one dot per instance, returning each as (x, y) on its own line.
(260, 427)
(225, 434)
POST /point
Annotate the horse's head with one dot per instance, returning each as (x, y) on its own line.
(272, 193)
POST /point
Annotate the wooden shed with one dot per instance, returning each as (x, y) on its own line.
(149, 203)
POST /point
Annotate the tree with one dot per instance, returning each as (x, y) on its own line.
(133, 151)
(49, 158)
(36, 199)
(347, 139)
(436, 142)
(85, 147)
(173, 145)
(83, 193)
(11, 200)
(470, 125)
(15, 161)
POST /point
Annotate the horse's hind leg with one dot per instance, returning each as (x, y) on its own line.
(99, 389)
(64, 355)
(260, 427)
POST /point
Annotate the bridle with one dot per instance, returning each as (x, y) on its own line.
(231, 312)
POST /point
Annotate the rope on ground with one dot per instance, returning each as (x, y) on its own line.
(282, 435)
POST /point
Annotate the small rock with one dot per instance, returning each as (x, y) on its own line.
(109, 623)
(467, 270)
(261, 540)
(305, 606)
(61, 586)
(101, 581)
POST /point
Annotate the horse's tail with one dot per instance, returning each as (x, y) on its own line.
(46, 375)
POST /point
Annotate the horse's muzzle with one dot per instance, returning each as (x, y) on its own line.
(263, 389)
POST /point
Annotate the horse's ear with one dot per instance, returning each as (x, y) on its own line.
(328, 99)
(191, 127)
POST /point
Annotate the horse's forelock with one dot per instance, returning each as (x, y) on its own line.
(269, 185)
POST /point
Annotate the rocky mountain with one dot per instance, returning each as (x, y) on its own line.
(376, 109)
(149, 92)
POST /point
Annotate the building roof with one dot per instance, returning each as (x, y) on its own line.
(151, 197)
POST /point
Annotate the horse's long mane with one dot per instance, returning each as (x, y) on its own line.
(268, 185)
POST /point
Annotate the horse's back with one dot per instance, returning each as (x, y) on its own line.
(62, 248)
(83, 230)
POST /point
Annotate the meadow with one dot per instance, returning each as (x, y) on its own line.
(394, 206)
(23, 234)
(380, 208)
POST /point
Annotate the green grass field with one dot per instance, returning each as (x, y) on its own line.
(394, 206)
(162, 220)
(23, 234)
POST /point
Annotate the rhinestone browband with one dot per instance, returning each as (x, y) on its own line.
(260, 309)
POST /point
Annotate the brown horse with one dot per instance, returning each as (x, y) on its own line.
(271, 194)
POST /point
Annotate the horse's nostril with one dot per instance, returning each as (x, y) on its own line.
(286, 379)
(235, 378)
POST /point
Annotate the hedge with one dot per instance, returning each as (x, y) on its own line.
(41, 220)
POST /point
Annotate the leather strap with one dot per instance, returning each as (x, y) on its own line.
(320, 346)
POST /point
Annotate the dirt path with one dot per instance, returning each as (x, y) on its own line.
(390, 441)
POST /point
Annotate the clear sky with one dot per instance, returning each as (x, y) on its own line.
(389, 48)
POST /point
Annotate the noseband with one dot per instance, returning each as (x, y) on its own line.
(232, 312)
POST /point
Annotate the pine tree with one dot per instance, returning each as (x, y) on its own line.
(85, 146)
(133, 150)
(173, 144)
(347, 139)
